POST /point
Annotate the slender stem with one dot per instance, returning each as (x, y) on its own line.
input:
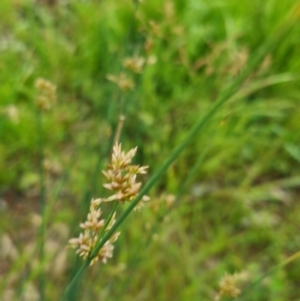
(147, 187)
(224, 96)
(150, 183)
(42, 230)
(191, 174)
(119, 128)
(174, 155)
(42, 209)
(74, 280)
(231, 89)
(271, 271)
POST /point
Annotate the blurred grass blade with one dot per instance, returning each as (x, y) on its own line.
(270, 272)
(293, 150)
(269, 81)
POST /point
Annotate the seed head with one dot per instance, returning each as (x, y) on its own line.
(46, 94)
(86, 241)
(227, 287)
(12, 113)
(123, 81)
(121, 176)
(134, 64)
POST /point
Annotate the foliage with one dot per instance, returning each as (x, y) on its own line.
(227, 204)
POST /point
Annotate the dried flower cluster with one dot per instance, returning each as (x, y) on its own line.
(163, 202)
(122, 176)
(93, 226)
(122, 181)
(228, 287)
(134, 64)
(124, 82)
(12, 113)
(155, 28)
(46, 94)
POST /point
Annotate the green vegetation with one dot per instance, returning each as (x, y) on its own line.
(211, 100)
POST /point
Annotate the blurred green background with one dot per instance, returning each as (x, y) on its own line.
(228, 203)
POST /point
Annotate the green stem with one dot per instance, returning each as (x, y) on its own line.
(231, 89)
(191, 174)
(42, 230)
(271, 271)
(74, 280)
(225, 96)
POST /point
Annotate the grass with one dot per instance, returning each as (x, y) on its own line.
(215, 116)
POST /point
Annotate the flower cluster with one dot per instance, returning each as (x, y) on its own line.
(228, 286)
(122, 176)
(122, 181)
(124, 82)
(46, 94)
(12, 113)
(93, 226)
(134, 64)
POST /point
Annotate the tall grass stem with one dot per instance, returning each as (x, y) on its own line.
(228, 92)
(42, 230)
